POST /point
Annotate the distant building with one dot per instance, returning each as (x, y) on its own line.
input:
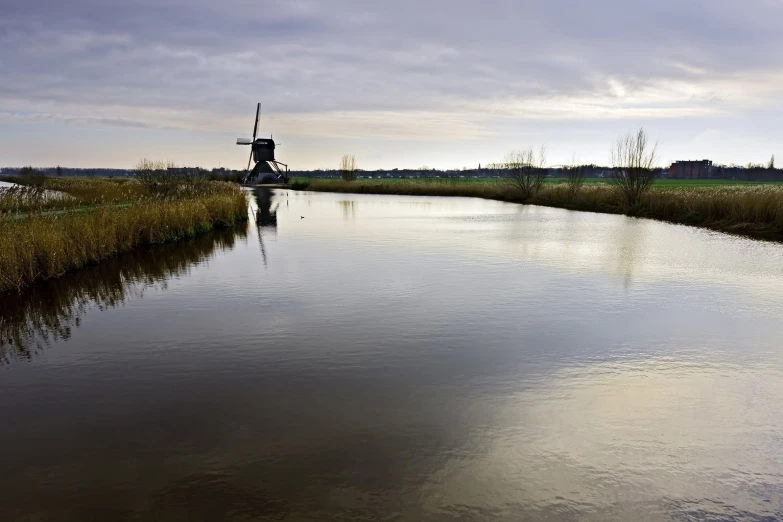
(691, 169)
(182, 171)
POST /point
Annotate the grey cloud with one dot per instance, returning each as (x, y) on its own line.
(307, 57)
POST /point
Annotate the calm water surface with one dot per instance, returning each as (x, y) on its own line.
(397, 358)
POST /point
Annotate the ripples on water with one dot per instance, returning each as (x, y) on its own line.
(402, 358)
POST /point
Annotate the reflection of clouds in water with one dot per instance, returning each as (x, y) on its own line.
(47, 311)
(618, 438)
(468, 359)
(635, 252)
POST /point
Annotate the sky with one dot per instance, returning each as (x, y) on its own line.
(447, 84)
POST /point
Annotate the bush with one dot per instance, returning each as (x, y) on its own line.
(30, 177)
(525, 171)
(634, 165)
(348, 167)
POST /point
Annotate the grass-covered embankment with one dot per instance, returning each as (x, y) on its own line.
(752, 210)
(92, 220)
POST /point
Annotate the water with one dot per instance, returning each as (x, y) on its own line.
(396, 358)
(47, 194)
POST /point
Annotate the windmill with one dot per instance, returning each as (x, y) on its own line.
(262, 154)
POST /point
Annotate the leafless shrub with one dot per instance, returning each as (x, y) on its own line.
(348, 167)
(575, 177)
(634, 161)
(525, 170)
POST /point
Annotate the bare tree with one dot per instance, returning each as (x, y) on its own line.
(525, 170)
(634, 161)
(348, 167)
(771, 164)
(575, 177)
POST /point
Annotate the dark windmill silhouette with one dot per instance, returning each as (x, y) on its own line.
(262, 154)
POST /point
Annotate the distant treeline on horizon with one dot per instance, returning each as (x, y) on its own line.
(701, 170)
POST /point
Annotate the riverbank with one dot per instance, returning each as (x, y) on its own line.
(43, 237)
(750, 210)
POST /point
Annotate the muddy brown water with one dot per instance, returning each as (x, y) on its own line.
(400, 358)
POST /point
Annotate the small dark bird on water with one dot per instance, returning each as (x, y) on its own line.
(302, 217)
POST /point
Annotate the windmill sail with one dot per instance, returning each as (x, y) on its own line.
(255, 127)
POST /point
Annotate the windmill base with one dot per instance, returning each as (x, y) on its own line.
(267, 173)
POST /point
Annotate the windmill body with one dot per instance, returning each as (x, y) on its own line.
(265, 168)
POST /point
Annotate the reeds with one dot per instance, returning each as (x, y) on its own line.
(111, 217)
(753, 210)
(19, 199)
(61, 194)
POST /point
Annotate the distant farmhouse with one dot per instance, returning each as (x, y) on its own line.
(705, 169)
(691, 169)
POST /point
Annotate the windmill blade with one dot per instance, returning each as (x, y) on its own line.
(255, 127)
(249, 160)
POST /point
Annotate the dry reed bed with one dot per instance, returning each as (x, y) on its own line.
(753, 210)
(60, 194)
(21, 199)
(41, 246)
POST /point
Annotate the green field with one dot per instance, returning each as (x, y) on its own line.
(660, 183)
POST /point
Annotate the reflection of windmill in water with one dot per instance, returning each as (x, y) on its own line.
(262, 150)
(265, 214)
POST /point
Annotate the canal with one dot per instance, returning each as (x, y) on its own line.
(401, 358)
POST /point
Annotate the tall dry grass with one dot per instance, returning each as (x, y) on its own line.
(753, 210)
(55, 194)
(757, 210)
(121, 217)
(21, 199)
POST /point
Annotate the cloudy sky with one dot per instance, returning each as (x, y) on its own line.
(399, 84)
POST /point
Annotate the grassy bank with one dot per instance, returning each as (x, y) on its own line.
(752, 210)
(660, 184)
(92, 220)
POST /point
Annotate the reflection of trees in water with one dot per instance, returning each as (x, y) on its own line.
(565, 238)
(349, 209)
(630, 246)
(47, 311)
